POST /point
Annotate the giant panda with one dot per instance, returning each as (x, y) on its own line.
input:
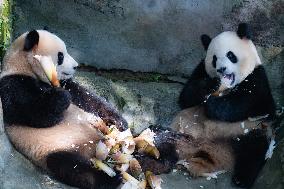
(55, 127)
(227, 109)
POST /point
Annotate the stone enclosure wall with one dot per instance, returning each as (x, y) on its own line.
(154, 35)
(149, 35)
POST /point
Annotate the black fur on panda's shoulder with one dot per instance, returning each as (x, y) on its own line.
(252, 97)
(28, 101)
(198, 86)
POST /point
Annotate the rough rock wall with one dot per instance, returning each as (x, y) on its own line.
(150, 35)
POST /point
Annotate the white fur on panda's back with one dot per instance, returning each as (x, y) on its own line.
(76, 132)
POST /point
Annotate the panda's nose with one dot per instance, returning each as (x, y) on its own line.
(75, 67)
(221, 70)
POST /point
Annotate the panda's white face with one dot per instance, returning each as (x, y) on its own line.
(20, 57)
(231, 58)
(51, 45)
(66, 66)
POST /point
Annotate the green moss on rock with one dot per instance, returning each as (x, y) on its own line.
(5, 26)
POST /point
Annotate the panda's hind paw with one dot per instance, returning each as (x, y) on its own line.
(241, 182)
(106, 182)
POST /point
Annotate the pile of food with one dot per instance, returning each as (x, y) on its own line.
(115, 153)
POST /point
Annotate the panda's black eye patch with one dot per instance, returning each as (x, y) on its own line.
(232, 57)
(60, 58)
(214, 61)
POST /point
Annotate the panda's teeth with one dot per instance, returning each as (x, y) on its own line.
(228, 76)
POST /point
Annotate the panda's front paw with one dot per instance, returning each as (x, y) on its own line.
(208, 85)
(59, 99)
(215, 83)
(63, 99)
(121, 124)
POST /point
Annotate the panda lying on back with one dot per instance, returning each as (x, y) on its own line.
(54, 127)
(58, 127)
(220, 97)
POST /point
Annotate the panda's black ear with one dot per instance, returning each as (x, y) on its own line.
(46, 28)
(206, 40)
(244, 31)
(31, 40)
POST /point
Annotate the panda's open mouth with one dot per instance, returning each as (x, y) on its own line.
(67, 74)
(230, 77)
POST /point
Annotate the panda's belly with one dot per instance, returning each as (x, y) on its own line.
(194, 122)
(76, 132)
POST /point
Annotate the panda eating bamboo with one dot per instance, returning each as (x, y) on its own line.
(70, 132)
(58, 124)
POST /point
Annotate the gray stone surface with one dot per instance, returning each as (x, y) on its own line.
(141, 104)
(180, 180)
(150, 35)
(274, 67)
